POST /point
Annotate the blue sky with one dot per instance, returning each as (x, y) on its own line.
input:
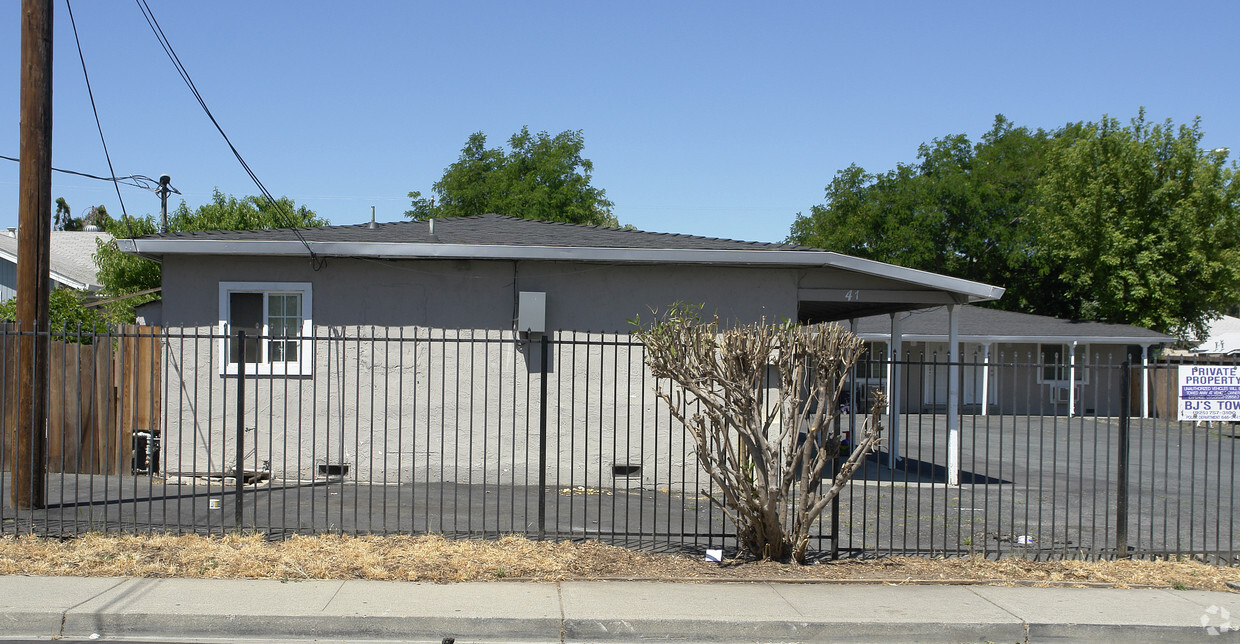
(709, 118)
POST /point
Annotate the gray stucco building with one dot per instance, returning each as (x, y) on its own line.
(346, 312)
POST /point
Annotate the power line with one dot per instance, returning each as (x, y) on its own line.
(134, 180)
(176, 62)
(98, 124)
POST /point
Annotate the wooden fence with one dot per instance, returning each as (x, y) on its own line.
(98, 395)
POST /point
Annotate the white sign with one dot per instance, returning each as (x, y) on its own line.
(1209, 392)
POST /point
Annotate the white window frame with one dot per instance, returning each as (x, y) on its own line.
(873, 359)
(1066, 365)
(302, 366)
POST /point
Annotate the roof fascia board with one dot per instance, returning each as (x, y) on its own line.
(874, 295)
(973, 291)
(68, 281)
(914, 276)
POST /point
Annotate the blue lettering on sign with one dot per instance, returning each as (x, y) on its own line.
(1214, 392)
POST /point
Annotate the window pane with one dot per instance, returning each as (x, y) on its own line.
(282, 350)
(1052, 362)
(283, 321)
(245, 311)
(874, 361)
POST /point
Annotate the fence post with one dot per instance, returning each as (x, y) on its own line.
(1121, 491)
(237, 471)
(542, 438)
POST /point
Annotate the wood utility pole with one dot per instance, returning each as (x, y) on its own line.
(28, 467)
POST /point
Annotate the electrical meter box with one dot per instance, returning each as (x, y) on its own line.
(532, 312)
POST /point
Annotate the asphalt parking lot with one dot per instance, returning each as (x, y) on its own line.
(1034, 486)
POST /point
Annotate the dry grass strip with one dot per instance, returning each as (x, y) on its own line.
(435, 559)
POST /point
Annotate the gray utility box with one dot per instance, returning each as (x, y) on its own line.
(532, 312)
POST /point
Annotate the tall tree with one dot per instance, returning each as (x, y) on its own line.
(538, 177)
(1091, 221)
(122, 274)
(63, 219)
(1139, 224)
(958, 210)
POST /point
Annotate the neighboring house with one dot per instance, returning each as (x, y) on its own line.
(1222, 338)
(462, 293)
(72, 262)
(1011, 363)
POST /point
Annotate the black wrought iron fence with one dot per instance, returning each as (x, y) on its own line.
(485, 433)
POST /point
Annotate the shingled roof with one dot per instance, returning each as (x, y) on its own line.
(486, 230)
(497, 237)
(978, 324)
(71, 259)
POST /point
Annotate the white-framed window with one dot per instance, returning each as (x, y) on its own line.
(276, 318)
(872, 366)
(1056, 363)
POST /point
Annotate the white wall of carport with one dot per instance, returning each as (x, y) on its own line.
(421, 298)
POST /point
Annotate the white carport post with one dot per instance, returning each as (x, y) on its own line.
(893, 392)
(986, 378)
(1145, 381)
(1072, 379)
(953, 397)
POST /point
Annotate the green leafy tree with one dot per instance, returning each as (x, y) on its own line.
(67, 315)
(1139, 224)
(957, 211)
(63, 217)
(1090, 221)
(538, 177)
(121, 274)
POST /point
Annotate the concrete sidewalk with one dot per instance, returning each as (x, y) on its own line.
(72, 608)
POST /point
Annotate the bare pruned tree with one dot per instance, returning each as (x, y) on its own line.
(765, 418)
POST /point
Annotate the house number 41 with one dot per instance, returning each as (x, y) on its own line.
(852, 295)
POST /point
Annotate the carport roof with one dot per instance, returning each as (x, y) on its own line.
(979, 324)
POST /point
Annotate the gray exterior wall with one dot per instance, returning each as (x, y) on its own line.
(465, 294)
(417, 405)
(8, 279)
(417, 374)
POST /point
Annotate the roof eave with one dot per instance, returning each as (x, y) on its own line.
(156, 248)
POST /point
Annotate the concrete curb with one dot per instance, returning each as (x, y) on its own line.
(77, 608)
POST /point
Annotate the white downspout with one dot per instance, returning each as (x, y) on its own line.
(1145, 381)
(1072, 379)
(986, 379)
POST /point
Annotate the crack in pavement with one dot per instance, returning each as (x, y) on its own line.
(64, 615)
